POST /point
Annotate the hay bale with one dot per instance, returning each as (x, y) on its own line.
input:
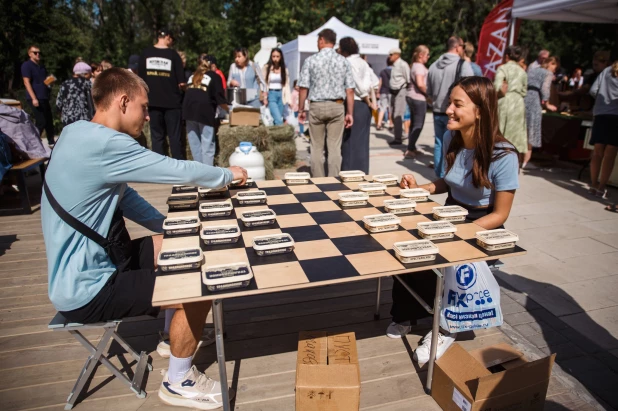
(281, 133)
(284, 154)
(268, 165)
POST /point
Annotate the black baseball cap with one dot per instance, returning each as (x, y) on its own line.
(212, 59)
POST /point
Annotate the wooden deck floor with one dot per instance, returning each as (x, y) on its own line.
(38, 367)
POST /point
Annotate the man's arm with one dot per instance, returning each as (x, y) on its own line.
(25, 73)
(219, 92)
(302, 97)
(349, 117)
(138, 210)
(123, 160)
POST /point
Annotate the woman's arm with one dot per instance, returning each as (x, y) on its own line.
(435, 187)
(420, 83)
(502, 208)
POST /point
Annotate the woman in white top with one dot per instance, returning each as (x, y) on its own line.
(277, 94)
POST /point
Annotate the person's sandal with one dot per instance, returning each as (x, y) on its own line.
(592, 191)
(602, 194)
(408, 156)
(612, 208)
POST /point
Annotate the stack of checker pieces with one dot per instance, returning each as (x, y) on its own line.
(332, 244)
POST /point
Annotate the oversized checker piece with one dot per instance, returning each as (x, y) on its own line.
(332, 246)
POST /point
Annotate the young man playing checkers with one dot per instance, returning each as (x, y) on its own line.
(86, 196)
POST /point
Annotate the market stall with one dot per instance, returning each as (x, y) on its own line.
(375, 47)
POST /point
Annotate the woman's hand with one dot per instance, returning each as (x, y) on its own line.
(234, 83)
(408, 181)
(551, 107)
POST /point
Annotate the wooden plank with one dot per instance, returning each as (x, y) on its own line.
(28, 163)
(19, 302)
(24, 281)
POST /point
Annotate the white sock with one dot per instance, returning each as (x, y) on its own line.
(169, 314)
(178, 368)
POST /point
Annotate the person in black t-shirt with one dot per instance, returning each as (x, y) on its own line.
(38, 92)
(204, 93)
(161, 68)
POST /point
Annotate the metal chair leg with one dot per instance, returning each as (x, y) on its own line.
(218, 320)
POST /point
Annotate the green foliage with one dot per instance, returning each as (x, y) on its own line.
(115, 29)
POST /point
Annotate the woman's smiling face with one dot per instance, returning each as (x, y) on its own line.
(462, 112)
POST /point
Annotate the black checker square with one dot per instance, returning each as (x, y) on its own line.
(499, 253)
(331, 217)
(287, 209)
(439, 260)
(357, 244)
(329, 268)
(332, 187)
(306, 233)
(275, 191)
(310, 197)
(255, 259)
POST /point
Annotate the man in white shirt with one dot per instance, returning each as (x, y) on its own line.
(355, 146)
(543, 55)
(400, 77)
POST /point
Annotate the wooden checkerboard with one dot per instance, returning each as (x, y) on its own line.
(332, 245)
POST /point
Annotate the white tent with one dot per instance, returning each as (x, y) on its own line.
(375, 47)
(582, 11)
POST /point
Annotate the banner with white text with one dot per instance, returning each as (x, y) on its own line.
(493, 38)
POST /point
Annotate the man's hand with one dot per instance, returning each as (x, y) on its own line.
(551, 107)
(349, 120)
(302, 116)
(408, 181)
(35, 102)
(239, 173)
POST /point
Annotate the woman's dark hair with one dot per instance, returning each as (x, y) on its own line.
(514, 53)
(241, 50)
(348, 46)
(281, 64)
(486, 131)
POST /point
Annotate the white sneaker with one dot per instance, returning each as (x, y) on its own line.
(421, 354)
(396, 330)
(196, 390)
(163, 349)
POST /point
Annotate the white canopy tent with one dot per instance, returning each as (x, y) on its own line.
(581, 11)
(375, 47)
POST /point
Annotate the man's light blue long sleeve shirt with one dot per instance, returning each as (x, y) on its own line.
(88, 175)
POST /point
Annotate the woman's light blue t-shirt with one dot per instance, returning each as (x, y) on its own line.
(503, 175)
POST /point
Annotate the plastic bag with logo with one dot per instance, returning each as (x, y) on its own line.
(471, 298)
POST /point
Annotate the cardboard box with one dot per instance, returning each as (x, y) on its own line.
(327, 372)
(462, 380)
(245, 116)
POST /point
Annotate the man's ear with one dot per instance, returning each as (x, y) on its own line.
(124, 103)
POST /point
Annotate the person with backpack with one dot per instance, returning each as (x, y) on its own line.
(444, 72)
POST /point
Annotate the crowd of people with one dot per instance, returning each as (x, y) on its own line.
(484, 133)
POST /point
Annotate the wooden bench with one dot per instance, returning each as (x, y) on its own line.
(99, 354)
(21, 169)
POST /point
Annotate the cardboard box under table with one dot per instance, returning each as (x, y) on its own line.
(332, 246)
(327, 372)
(497, 377)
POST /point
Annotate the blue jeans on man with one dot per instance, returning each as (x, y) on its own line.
(439, 125)
(275, 105)
(202, 142)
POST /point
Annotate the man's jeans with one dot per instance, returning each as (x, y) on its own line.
(201, 142)
(439, 126)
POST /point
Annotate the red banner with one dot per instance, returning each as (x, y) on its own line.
(493, 39)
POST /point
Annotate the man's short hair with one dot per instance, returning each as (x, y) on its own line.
(453, 42)
(33, 46)
(328, 36)
(348, 46)
(116, 81)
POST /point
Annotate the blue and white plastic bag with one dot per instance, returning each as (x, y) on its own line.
(471, 298)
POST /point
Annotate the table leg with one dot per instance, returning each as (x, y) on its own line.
(217, 309)
(376, 315)
(436, 326)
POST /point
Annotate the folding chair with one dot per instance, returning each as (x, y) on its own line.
(98, 355)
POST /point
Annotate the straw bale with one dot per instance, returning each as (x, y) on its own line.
(284, 154)
(281, 133)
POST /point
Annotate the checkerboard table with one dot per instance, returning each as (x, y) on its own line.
(331, 246)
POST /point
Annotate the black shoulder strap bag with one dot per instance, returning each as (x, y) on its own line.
(117, 245)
